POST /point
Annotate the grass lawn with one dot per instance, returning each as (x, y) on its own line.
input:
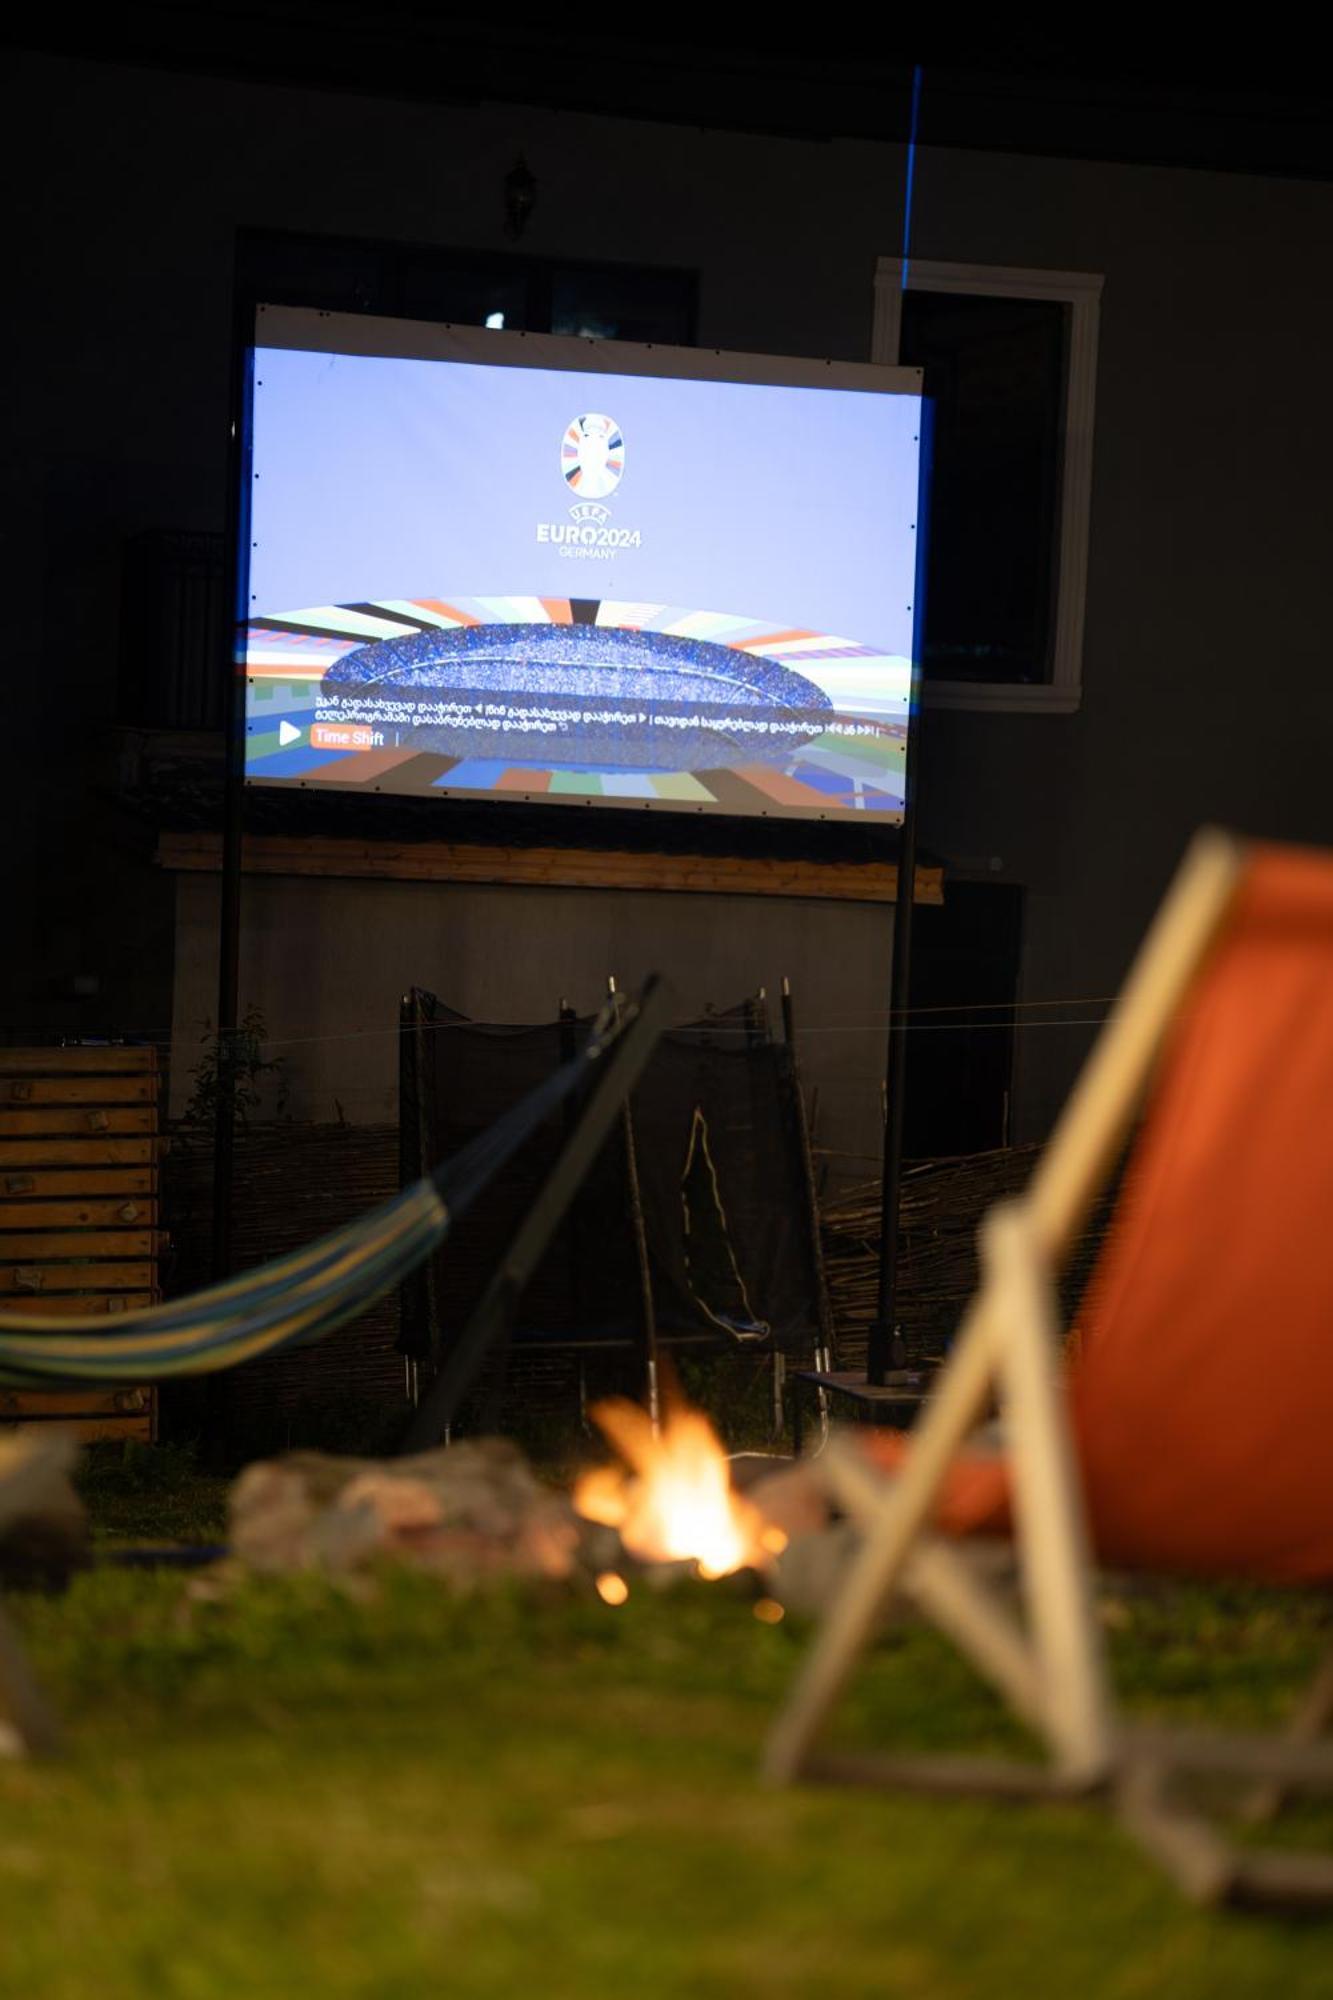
(286, 1790)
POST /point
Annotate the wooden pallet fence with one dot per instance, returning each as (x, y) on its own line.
(79, 1212)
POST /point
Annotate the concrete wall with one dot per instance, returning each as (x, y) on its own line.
(326, 962)
(1206, 668)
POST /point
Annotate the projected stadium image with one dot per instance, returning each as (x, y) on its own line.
(401, 477)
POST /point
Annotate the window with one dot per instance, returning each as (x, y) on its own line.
(470, 288)
(1010, 360)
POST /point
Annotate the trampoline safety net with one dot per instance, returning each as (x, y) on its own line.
(724, 1177)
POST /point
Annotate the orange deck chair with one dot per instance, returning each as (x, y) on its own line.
(1192, 1429)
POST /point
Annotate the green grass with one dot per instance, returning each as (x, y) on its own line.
(151, 1493)
(289, 1790)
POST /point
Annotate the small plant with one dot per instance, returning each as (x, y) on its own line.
(250, 1068)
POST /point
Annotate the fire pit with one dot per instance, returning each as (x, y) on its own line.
(666, 1508)
(673, 1500)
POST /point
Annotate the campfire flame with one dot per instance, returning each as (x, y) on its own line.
(675, 1502)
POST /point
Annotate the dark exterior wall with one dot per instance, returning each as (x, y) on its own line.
(1208, 679)
(326, 961)
(1205, 668)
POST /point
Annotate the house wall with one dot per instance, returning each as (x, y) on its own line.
(326, 963)
(1206, 675)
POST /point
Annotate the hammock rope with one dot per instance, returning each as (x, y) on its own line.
(301, 1297)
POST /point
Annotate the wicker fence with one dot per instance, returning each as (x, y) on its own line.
(294, 1182)
(942, 1205)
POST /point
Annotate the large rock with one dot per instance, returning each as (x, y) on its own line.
(43, 1527)
(792, 1494)
(466, 1513)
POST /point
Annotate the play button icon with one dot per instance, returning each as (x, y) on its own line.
(287, 734)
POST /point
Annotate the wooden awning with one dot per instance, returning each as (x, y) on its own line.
(550, 867)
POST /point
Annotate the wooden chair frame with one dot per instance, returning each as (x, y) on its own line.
(27, 1726)
(1053, 1673)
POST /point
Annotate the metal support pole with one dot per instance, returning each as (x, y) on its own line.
(824, 1349)
(885, 1348)
(647, 1306)
(232, 666)
(575, 1229)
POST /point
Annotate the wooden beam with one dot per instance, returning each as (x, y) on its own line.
(77, 1305)
(50, 1121)
(89, 1062)
(41, 1246)
(136, 1426)
(17, 1404)
(20, 1281)
(550, 867)
(1304, 1767)
(24, 1152)
(111, 1214)
(123, 1183)
(80, 1089)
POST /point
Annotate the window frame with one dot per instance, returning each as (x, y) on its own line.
(1081, 292)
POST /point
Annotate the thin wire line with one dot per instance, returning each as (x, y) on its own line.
(957, 1027)
(177, 1047)
(909, 1018)
(719, 1027)
(843, 1028)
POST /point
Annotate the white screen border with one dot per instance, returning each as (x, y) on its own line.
(310, 330)
(316, 330)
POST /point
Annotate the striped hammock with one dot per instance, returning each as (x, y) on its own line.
(300, 1298)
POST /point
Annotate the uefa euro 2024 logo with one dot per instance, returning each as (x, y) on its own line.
(592, 457)
(592, 464)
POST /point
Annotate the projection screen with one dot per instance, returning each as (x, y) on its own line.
(509, 566)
